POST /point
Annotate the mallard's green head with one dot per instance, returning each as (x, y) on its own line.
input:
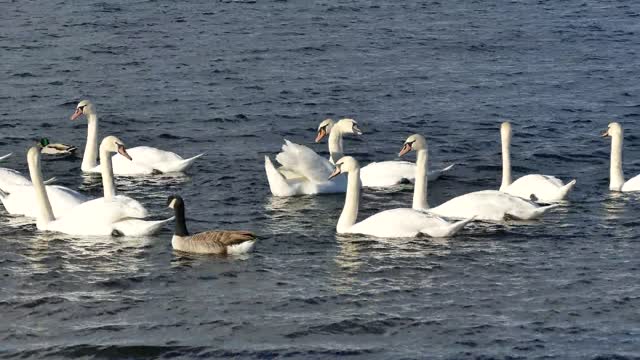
(44, 142)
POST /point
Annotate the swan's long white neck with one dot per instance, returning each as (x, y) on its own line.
(106, 168)
(45, 213)
(506, 159)
(615, 173)
(91, 148)
(420, 187)
(335, 145)
(351, 203)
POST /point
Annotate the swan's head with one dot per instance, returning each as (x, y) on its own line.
(505, 128)
(175, 201)
(324, 128)
(414, 142)
(345, 165)
(85, 107)
(112, 144)
(614, 129)
(348, 126)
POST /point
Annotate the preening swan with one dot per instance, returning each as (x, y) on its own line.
(539, 188)
(209, 242)
(616, 176)
(303, 171)
(390, 223)
(147, 160)
(376, 174)
(104, 216)
(488, 205)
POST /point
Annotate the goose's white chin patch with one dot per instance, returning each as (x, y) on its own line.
(172, 203)
(242, 248)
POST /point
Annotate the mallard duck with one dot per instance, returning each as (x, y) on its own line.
(221, 242)
(55, 149)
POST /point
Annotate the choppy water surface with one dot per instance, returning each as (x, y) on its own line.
(233, 79)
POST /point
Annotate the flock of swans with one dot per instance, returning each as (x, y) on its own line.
(529, 197)
(302, 172)
(60, 209)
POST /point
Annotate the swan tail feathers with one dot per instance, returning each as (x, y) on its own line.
(277, 183)
(446, 231)
(138, 227)
(5, 156)
(181, 165)
(567, 188)
(51, 181)
(542, 210)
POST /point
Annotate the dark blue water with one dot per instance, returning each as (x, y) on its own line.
(232, 79)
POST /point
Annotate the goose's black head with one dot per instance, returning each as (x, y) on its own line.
(175, 201)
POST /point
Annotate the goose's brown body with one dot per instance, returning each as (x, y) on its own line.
(214, 242)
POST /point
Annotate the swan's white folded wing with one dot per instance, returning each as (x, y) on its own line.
(10, 178)
(304, 161)
(398, 223)
(137, 227)
(387, 173)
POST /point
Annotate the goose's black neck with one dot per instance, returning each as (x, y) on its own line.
(181, 224)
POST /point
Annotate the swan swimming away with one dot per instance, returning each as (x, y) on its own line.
(616, 176)
(209, 242)
(110, 215)
(539, 188)
(489, 205)
(148, 160)
(303, 171)
(376, 174)
(394, 223)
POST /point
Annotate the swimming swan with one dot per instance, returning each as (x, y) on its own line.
(209, 242)
(303, 171)
(376, 174)
(536, 187)
(616, 182)
(490, 205)
(110, 215)
(395, 223)
(148, 160)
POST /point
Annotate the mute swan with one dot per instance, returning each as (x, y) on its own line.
(616, 182)
(539, 188)
(303, 171)
(55, 149)
(389, 223)
(376, 174)
(488, 205)
(208, 242)
(110, 215)
(148, 160)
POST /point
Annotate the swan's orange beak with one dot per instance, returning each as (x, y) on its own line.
(405, 149)
(123, 151)
(335, 173)
(321, 134)
(77, 113)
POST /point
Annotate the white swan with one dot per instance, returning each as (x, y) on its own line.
(376, 174)
(148, 160)
(539, 188)
(303, 171)
(490, 205)
(616, 176)
(109, 215)
(395, 223)
(18, 195)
